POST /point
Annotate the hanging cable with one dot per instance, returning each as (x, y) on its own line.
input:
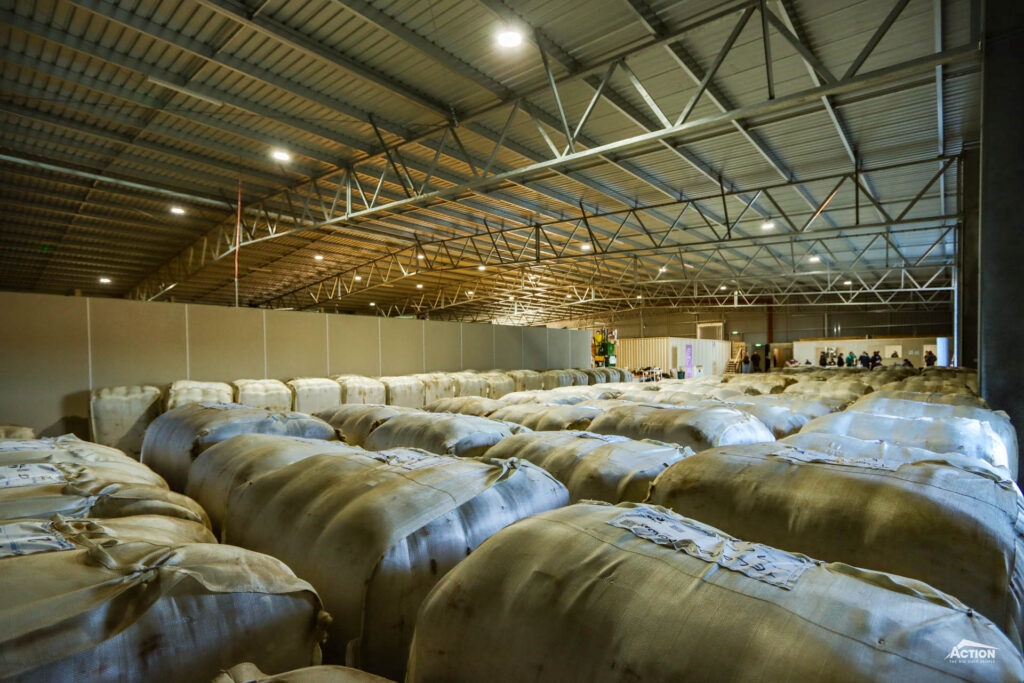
(238, 237)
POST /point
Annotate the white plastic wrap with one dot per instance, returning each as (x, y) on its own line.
(373, 533)
(177, 437)
(118, 416)
(315, 394)
(359, 389)
(459, 435)
(941, 435)
(138, 611)
(949, 521)
(634, 592)
(269, 394)
(698, 428)
(223, 466)
(405, 391)
(185, 391)
(593, 466)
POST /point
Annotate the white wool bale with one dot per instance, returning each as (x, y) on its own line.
(435, 385)
(185, 391)
(547, 418)
(949, 521)
(698, 428)
(177, 437)
(498, 384)
(522, 397)
(594, 466)
(898, 407)
(31, 536)
(118, 416)
(469, 384)
(526, 380)
(405, 391)
(637, 592)
(225, 465)
(960, 435)
(250, 673)
(851, 448)
(98, 489)
(67, 449)
(552, 379)
(359, 389)
(353, 423)
(16, 432)
(374, 532)
(579, 378)
(465, 405)
(269, 394)
(464, 436)
(315, 394)
(176, 612)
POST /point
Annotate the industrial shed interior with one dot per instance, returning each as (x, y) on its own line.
(494, 340)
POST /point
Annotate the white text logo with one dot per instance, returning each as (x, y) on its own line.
(969, 651)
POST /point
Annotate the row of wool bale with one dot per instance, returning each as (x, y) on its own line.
(107, 575)
(119, 415)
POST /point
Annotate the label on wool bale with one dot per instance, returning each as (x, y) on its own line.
(760, 562)
(796, 455)
(31, 474)
(26, 538)
(27, 445)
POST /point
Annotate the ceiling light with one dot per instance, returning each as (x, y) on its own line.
(511, 298)
(281, 155)
(358, 278)
(639, 296)
(177, 211)
(104, 280)
(847, 282)
(419, 256)
(723, 287)
(768, 225)
(662, 269)
(419, 286)
(372, 304)
(481, 267)
(509, 38)
(470, 292)
(319, 257)
(585, 246)
(568, 296)
(814, 259)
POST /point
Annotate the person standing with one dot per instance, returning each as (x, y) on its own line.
(840, 362)
(876, 360)
(755, 362)
(865, 360)
(930, 358)
(823, 359)
(746, 363)
(851, 360)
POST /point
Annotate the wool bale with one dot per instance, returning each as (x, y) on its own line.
(931, 397)
(965, 436)
(464, 436)
(30, 536)
(596, 592)
(498, 384)
(16, 432)
(250, 673)
(314, 394)
(118, 416)
(374, 532)
(465, 405)
(547, 418)
(698, 428)
(469, 384)
(141, 611)
(526, 380)
(436, 385)
(67, 448)
(579, 378)
(225, 465)
(177, 437)
(593, 466)
(359, 389)
(405, 391)
(552, 379)
(269, 394)
(949, 521)
(185, 391)
(353, 423)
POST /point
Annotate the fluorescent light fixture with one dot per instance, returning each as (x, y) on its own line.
(735, 331)
(585, 246)
(104, 280)
(662, 269)
(481, 267)
(508, 37)
(847, 282)
(281, 155)
(419, 256)
(470, 292)
(814, 259)
(177, 211)
(319, 257)
(639, 296)
(358, 278)
(723, 287)
(419, 286)
(768, 225)
(372, 304)
(184, 91)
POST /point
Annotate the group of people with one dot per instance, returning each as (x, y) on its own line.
(752, 361)
(866, 361)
